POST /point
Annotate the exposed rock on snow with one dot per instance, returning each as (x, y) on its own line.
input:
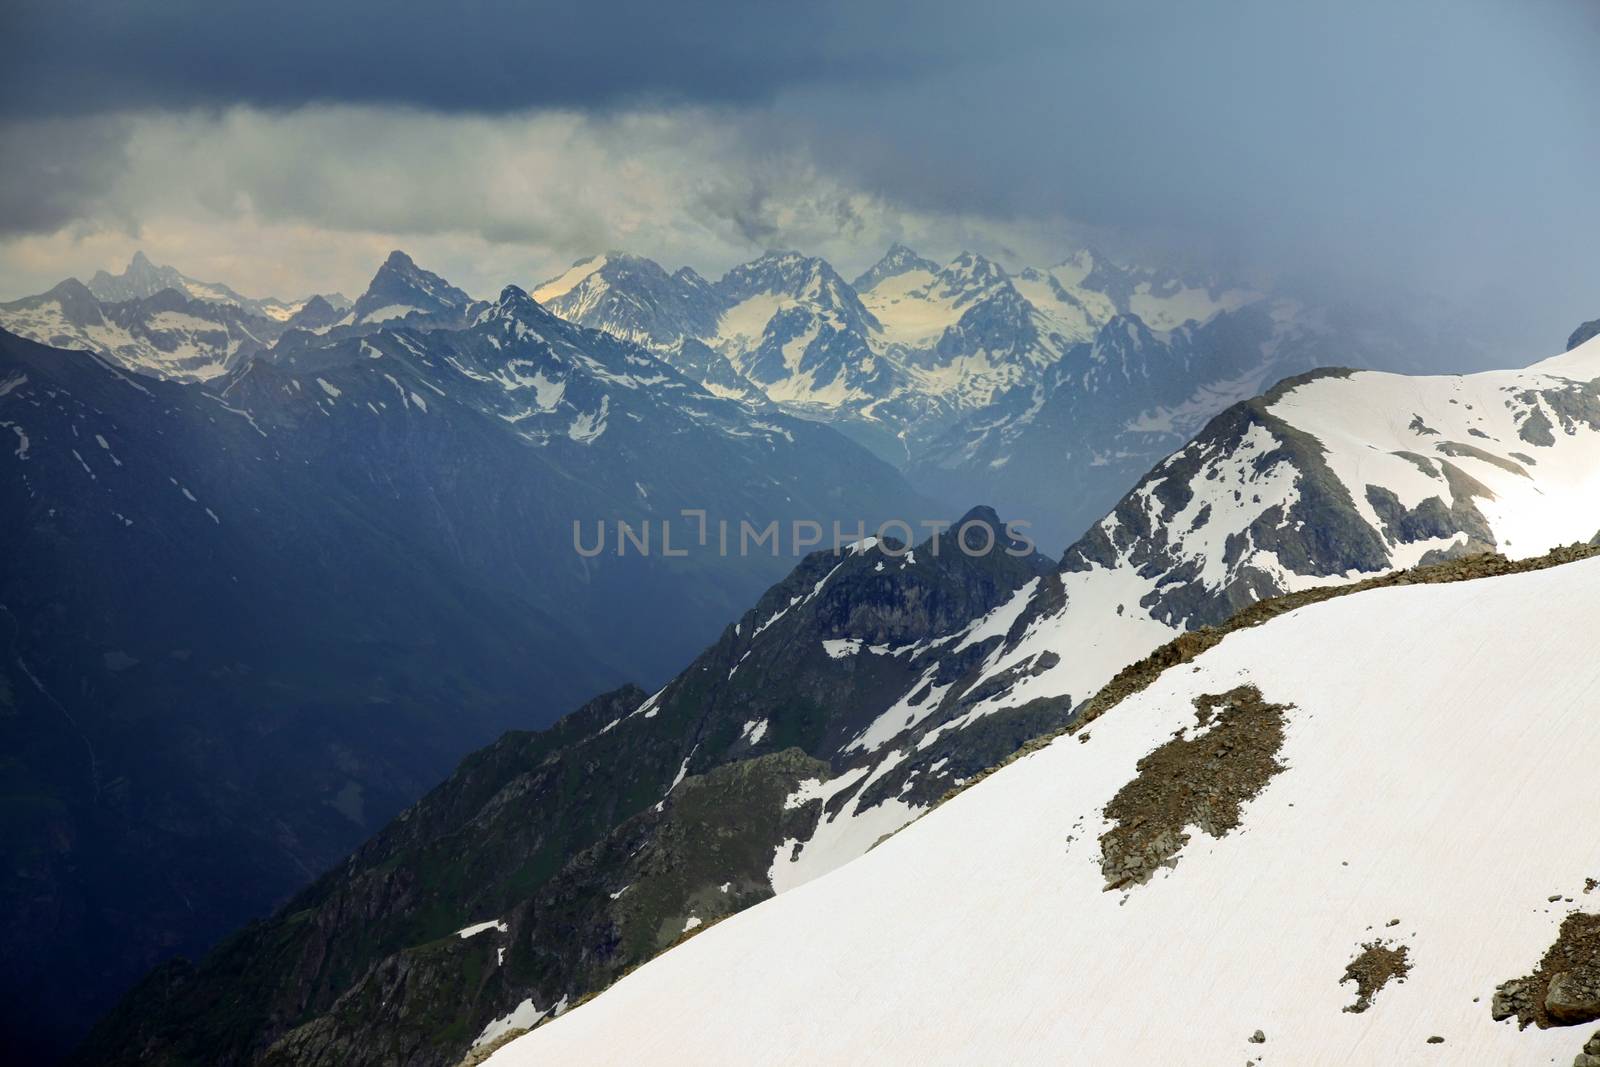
(1374, 967)
(1200, 778)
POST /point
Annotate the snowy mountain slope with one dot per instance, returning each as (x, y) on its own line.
(917, 300)
(967, 332)
(1163, 299)
(950, 338)
(782, 329)
(158, 321)
(798, 330)
(552, 383)
(1326, 478)
(1299, 488)
(1063, 445)
(1408, 733)
(633, 298)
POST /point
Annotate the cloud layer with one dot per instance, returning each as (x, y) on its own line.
(282, 201)
(1358, 147)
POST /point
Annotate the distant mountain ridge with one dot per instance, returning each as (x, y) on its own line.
(982, 383)
(968, 376)
(158, 321)
(142, 278)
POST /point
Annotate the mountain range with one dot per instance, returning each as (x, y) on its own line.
(158, 321)
(142, 279)
(861, 691)
(1041, 391)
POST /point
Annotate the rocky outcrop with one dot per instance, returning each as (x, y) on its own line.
(697, 857)
(1564, 990)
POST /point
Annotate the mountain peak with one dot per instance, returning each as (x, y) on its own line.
(400, 287)
(970, 273)
(690, 276)
(69, 288)
(972, 261)
(634, 298)
(513, 310)
(316, 313)
(514, 298)
(778, 270)
(981, 513)
(898, 260)
(140, 279)
(575, 275)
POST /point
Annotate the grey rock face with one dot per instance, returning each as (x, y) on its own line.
(400, 283)
(1573, 997)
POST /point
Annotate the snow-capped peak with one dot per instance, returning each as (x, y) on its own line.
(567, 280)
(969, 274)
(515, 303)
(789, 274)
(634, 298)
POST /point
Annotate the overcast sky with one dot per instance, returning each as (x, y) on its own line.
(1442, 148)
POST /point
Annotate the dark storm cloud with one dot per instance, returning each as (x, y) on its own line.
(1379, 146)
(479, 55)
(54, 173)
